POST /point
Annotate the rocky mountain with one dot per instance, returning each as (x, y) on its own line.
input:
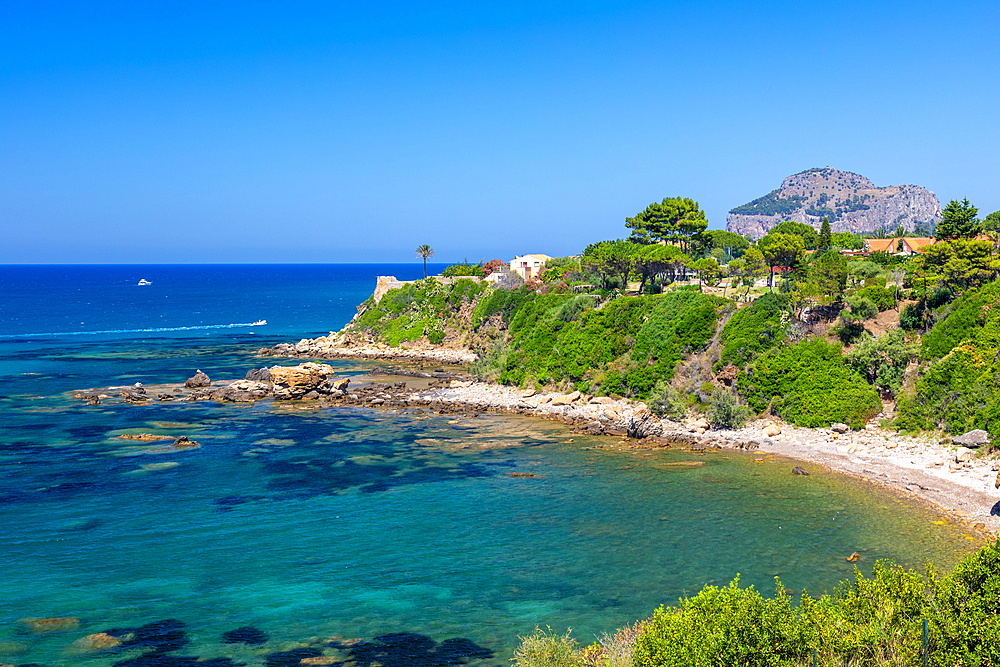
(850, 201)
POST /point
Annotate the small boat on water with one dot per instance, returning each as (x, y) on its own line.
(259, 323)
(144, 282)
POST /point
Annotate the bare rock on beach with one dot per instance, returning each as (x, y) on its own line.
(199, 379)
(976, 438)
(840, 428)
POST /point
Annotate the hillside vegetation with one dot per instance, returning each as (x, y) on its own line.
(830, 338)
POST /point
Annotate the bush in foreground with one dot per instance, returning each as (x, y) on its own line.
(867, 622)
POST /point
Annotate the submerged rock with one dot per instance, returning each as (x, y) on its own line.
(799, 470)
(245, 635)
(54, 624)
(100, 641)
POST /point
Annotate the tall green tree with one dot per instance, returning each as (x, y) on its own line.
(613, 258)
(785, 250)
(708, 271)
(825, 236)
(732, 244)
(425, 251)
(675, 219)
(829, 273)
(847, 241)
(809, 236)
(962, 264)
(992, 221)
(959, 221)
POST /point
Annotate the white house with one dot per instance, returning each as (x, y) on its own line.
(529, 266)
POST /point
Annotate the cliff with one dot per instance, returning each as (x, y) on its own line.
(851, 202)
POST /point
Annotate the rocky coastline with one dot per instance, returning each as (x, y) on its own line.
(335, 346)
(957, 480)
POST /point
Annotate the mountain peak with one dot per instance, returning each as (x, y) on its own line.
(852, 203)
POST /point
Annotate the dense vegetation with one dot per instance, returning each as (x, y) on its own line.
(810, 384)
(957, 391)
(825, 340)
(866, 622)
(623, 348)
(770, 204)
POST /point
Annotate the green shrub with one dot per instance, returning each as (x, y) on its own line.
(464, 268)
(882, 297)
(545, 648)
(435, 336)
(912, 316)
(962, 321)
(809, 384)
(505, 302)
(861, 309)
(754, 329)
(663, 401)
(727, 411)
(866, 622)
(882, 361)
(722, 627)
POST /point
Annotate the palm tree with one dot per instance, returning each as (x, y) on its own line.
(425, 251)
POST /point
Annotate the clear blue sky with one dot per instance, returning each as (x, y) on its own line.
(290, 132)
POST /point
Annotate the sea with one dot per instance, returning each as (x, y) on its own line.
(345, 535)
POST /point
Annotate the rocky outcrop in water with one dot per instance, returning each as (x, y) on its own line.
(851, 202)
(199, 379)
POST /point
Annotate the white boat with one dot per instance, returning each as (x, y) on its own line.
(259, 323)
(144, 282)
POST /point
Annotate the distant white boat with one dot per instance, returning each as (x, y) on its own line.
(144, 282)
(259, 323)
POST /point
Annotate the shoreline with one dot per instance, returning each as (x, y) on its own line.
(912, 466)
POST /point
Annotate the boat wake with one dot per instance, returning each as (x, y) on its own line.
(258, 323)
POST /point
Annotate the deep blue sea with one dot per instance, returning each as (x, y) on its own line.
(350, 534)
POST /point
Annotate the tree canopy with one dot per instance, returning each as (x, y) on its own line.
(992, 221)
(825, 236)
(959, 221)
(781, 250)
(809, 236)
(674, 219)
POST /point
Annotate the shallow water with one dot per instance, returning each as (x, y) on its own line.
(307, 524)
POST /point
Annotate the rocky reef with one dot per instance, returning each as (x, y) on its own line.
(850, 201)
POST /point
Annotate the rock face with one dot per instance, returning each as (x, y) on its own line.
(199, 379)
(292, 382)
(850, 201)
(259, 375)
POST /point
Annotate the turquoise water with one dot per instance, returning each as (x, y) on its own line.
(370, 535)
